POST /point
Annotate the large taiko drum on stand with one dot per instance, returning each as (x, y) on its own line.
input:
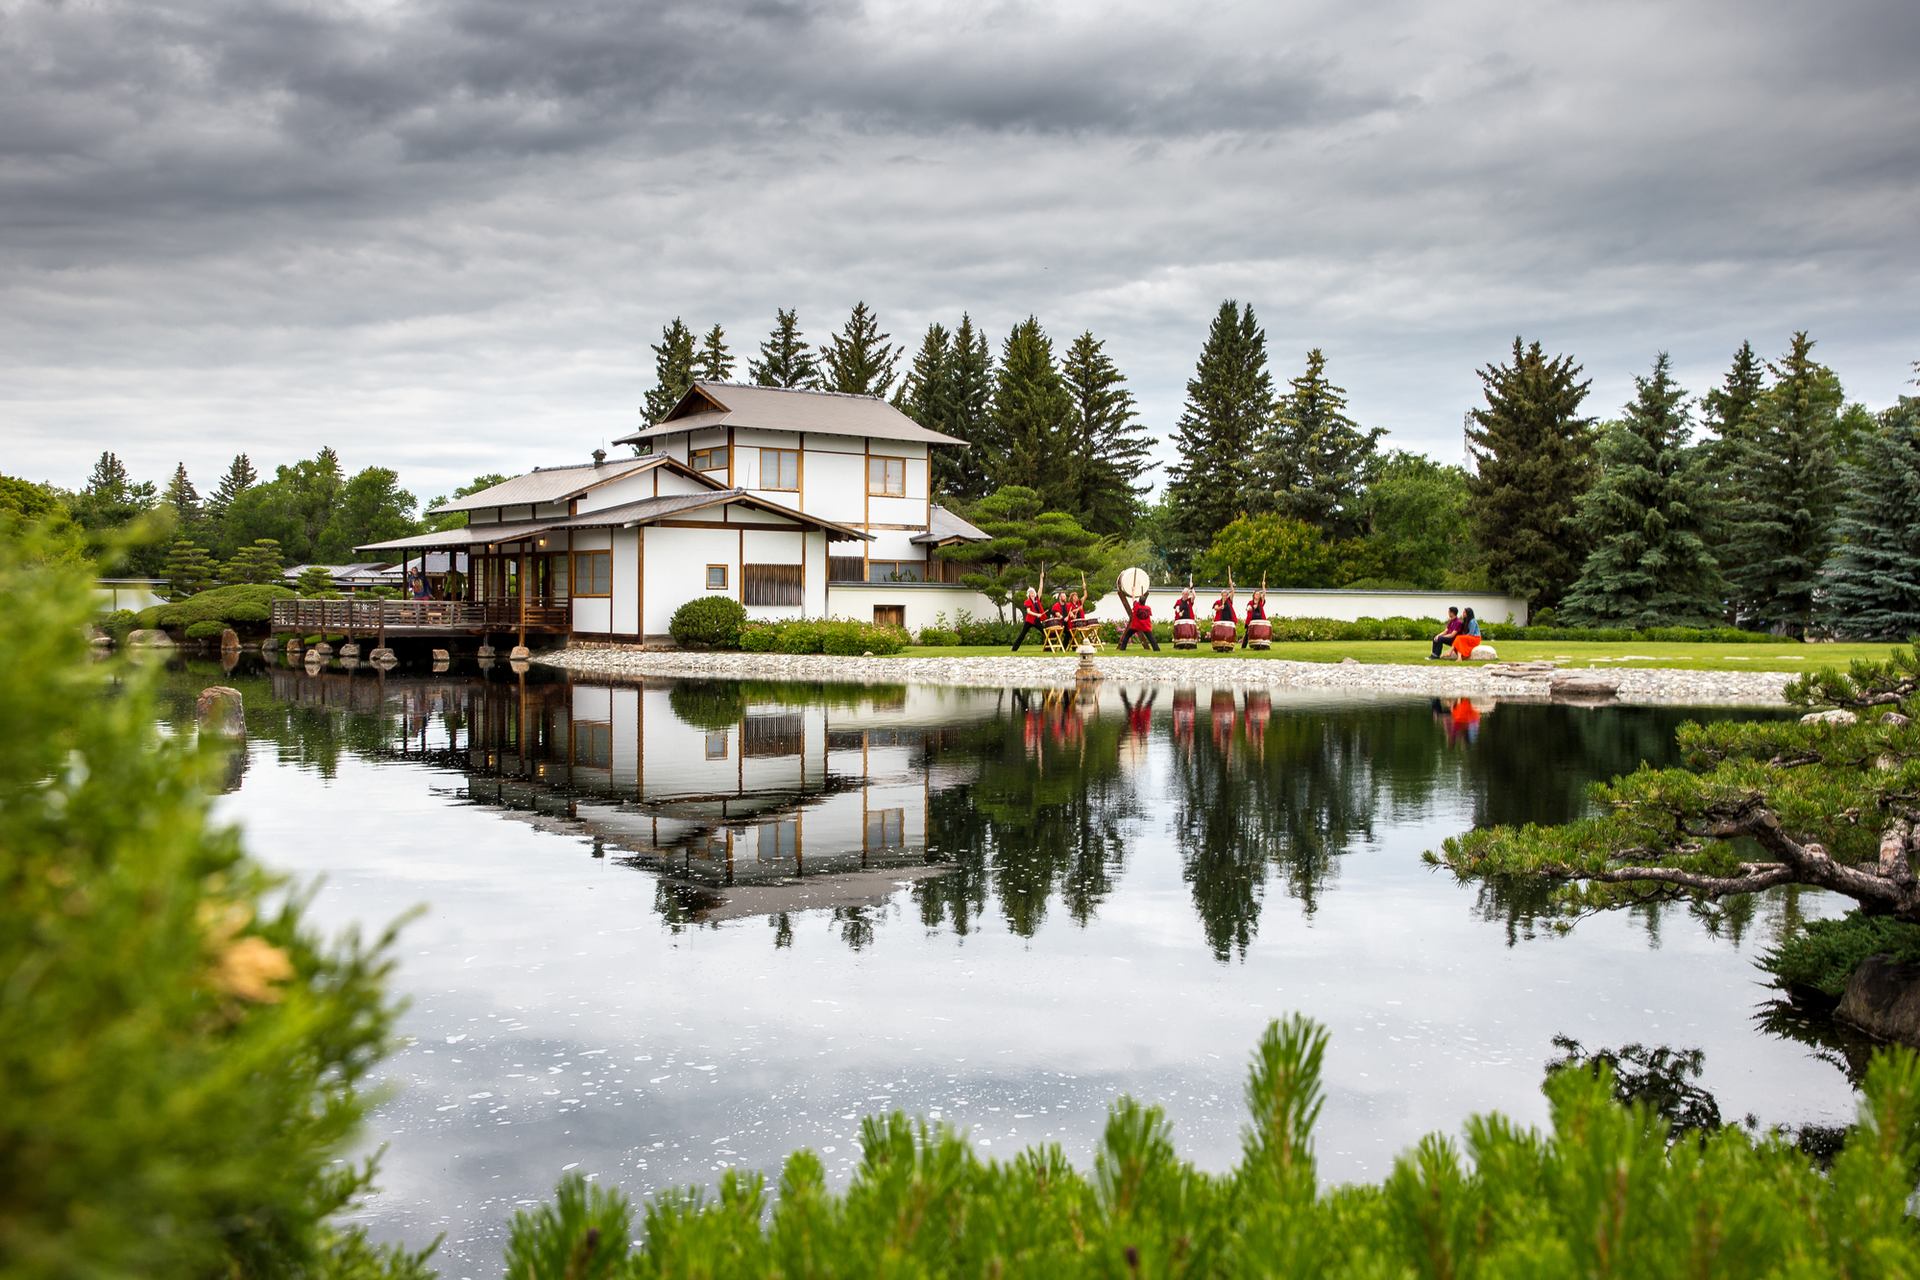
(1259, 633)
(1223, 636)
(1186, 633)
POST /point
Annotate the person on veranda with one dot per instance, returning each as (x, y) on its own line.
(1448, 632)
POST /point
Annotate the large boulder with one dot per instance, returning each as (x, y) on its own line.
(1485, 653)
(1838, 715)
(1883, 999)
(221, 710)
(149, 638)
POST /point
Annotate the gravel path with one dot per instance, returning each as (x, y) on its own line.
(1443, 679)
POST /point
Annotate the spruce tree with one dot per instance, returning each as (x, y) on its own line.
(924, 392)
(1229, 404)
(1784, 485)
(1029, 443)
(1650, 565)
(1111, 440)
(962, 473)
(1533, 458)
(240, 477)
(674, 364)
(188, 569)
(785, 358)
(182, 499)
(1314, 463)
(1873, 579)
(1723, 409)
(715, 362)
(858, 360)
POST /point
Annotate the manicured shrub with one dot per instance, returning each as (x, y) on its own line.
(118, 623)
(798, 637)
(206, 629)
(185, 1058)
(244, 606)
(1602, 1189)
(1824, 953)
(759, 637)
(708, 622)
(942, 637)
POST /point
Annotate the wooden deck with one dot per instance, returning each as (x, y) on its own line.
(415, 618)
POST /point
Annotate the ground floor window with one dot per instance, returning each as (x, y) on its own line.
(887, 829)
(890, 615)
(593, 744)
(896, 571)
(593, 573)
(770, 584)
(716, 577)
(779, 841)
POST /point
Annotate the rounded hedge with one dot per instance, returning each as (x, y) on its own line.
(206, 629)
(708, 622)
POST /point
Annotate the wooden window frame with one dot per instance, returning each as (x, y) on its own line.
(881, 577)
(576, 579)
(884, 818)
(596, 732)
(887, 463)
(780, 488)
(726, 577)
(725, 737)
(713, 458)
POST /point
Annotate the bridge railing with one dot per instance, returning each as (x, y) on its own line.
(367, 617)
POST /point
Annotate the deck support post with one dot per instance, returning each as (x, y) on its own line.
(524, 585)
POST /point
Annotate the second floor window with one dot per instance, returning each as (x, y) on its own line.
(714, 459)
(780, 469)
(887, 477)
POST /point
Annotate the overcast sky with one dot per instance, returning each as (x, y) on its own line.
(441, 235)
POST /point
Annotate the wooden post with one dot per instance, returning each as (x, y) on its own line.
(523, 595)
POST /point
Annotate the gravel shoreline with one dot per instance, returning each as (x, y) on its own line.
(1640, 686)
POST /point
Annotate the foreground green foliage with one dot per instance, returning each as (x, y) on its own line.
(185, 1061)
(1831, 801)
(1604, 1191)
(1823, 954)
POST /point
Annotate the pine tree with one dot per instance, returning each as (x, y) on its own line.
(188, 569)
(1650, 565)
(1873, 579)
(1028, 441)
(785, 358)
(962, 473)
(924, 393)
(1725, 408)
(858, 360)
(715, 362)
(1533, 458)
(1229, 404)
(674, 363)
(1111, 441)
(1784, 483)
(182, 499)
(240, 477)
(1314, 463)
(259, 562)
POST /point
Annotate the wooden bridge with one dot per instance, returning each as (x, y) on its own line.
(417, 619)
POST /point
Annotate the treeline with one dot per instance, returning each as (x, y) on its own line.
(1768, 502)
(247, 528)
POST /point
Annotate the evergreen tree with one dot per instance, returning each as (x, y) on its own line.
(1533, 458)
(182, 499)
(1027, 546)
(962, 473)
(240, 477)
(925, 392)
(1229, 404)
(1110, 440)
(715, 362)
(674, 363)
(111, 499)
(258, 562)
(188, 569)
(1723, 409)
(1873, 579)
(1028, 443)
(858, 360)
(785, 358)
(315, 583)
(1650, 565)
(1785, 484)
(1315, 463)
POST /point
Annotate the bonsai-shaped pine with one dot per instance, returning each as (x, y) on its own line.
(1831, 800)
(1604, 1191)
(1026, 545)
(257, 563)
(186, 1062)
(316, 583)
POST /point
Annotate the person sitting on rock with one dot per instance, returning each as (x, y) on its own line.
(1467, 639)
(1448, 632)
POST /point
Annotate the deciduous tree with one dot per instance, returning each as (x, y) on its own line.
(1419, 534)
(1284, 550)
(1649, 565)
(1532, 456)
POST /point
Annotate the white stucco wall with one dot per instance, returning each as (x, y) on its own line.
(834, 485)
(922, 601)
(677, 561)
(1345, 605)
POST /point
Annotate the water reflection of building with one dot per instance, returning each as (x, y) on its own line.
(744, 802)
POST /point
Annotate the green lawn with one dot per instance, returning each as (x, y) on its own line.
(1685, 657)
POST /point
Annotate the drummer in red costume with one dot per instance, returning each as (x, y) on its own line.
(1139, 622)
(1256, 612)
(1033, 617)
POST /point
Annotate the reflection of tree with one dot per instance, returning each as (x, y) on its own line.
(1043, 814)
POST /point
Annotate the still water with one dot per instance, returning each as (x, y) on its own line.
(672, 927)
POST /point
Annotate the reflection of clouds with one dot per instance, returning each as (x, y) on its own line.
(654, 1058)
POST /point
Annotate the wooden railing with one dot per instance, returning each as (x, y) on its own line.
(369, 617)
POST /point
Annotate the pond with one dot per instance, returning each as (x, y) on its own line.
(671, 927)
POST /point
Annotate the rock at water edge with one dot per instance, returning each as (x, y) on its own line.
(520, 653)
(220, 709)
(149, 638)
(1883, 999)
(349, 650)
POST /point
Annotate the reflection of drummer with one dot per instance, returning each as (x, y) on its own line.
(1256, 612)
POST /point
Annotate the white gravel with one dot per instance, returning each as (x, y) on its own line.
(1004, 670)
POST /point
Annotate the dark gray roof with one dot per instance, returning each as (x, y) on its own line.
(547, 484)
(624, 516)
(944, 526)
(827, 413)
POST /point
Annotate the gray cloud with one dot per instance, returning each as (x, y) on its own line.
(441, 235)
